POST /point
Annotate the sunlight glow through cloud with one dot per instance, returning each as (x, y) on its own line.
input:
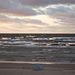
(42, 16)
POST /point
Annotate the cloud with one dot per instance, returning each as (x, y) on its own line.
(15, 25)
(23, 15)
(64, 14)
(67, 21)
(26, 7)
(45, 2)
(61, 11)
(37, 22)
(5, 19)
(14, 7)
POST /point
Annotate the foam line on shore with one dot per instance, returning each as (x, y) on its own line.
(28, 62)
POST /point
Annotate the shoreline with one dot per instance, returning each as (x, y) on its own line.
(25, 68)
(30, 62)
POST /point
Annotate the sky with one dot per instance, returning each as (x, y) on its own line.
(37, 16)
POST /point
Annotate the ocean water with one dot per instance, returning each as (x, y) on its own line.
(22, 47)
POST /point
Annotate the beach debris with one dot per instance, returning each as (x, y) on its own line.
(37, 67)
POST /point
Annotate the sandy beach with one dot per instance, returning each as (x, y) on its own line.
(24, 68)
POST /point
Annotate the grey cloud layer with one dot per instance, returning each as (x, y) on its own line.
(68, 21)
(61, 11)
(64, 13)
(46, 2)
(25, 7)
(16, 8)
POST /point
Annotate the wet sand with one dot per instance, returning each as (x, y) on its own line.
(24, 68)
